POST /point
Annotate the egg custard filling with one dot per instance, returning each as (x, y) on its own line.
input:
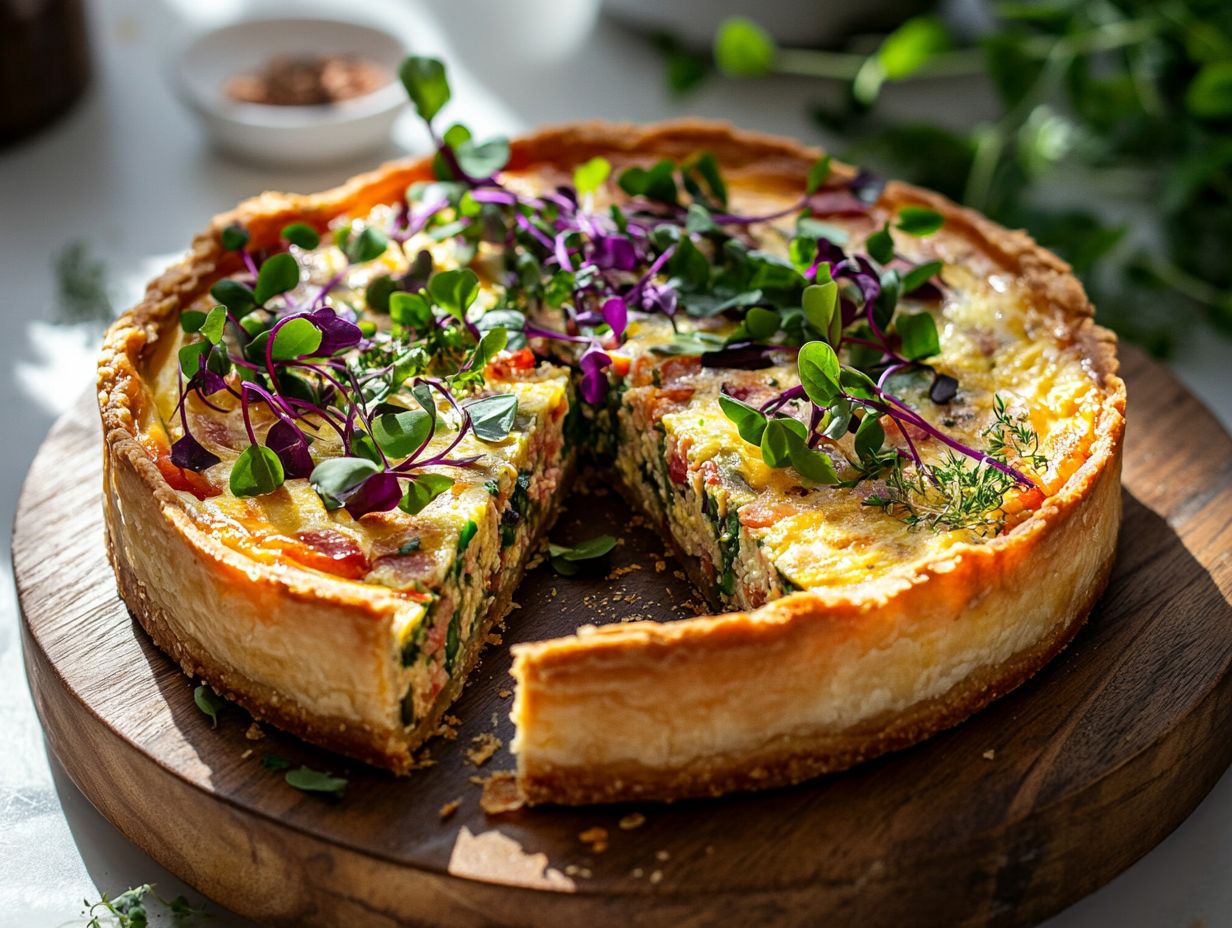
(815, 386)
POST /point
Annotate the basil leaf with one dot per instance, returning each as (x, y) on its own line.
(919, 220)
(401, 434)
(819, 372)
(918, 333)
(301, 234)
(295, 338)
(278, 274)
(493, 416)
(256, 472)
(336, 479)
(421, 491)
(426, 85)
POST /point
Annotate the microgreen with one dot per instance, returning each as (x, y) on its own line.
(209, 702)
(233, 237)
(302, 235)
(256, 472)
(569, 560)
(744, 49)
(426, 84)
(307, 780)
(131, 909)
(278, 275)
(420, 492)
(493, 416)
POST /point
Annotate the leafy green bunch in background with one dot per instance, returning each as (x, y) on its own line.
(1103, 104)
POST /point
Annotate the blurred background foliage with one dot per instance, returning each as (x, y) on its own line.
(1101, 103)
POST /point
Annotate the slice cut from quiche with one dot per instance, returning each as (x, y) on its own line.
(882, 433)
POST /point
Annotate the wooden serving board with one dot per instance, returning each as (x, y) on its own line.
(1028, 806)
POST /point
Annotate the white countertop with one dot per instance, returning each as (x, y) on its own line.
(128, 172)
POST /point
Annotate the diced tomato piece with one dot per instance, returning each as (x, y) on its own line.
(760, 514)
(620, 364)
(331, 552)
(678, 368)
(678, 465)
(710, 472)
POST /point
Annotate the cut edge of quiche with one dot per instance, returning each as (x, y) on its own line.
(813, 682)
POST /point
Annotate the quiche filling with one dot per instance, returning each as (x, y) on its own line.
(807, 389)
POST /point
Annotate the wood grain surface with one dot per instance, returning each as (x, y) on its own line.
(1028, 806)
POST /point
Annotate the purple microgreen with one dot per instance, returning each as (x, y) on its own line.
(289, 443)
(379, 493)
(943, 389)
(337, 334)
(190, 454)
(594, 381)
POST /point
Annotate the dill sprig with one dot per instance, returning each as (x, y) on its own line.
(958, 493)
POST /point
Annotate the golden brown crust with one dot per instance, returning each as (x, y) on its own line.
(803, 621)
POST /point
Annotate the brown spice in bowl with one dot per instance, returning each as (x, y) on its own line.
(307, 80)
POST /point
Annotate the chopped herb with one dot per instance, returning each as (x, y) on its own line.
(209, 702)
(308, 780)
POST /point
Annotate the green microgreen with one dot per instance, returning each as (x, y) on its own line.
(307, 780)
(209, 702)
(131, 909)
(569, 560)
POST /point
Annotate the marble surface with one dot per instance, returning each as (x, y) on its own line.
(128, 172)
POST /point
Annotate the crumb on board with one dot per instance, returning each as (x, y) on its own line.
(632, 820)
(476, 780)
(660, 566)
(483, 746)
(449, 808)
(656, 876)
(619, 572)
(254, 732)
(247, 754)
(596, 837)
(500, 793)
(990, 754)
(448, 732)
(637, 873)
(505, 694)
(494, 639)
(662, 856)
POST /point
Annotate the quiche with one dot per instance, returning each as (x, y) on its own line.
(882, 434)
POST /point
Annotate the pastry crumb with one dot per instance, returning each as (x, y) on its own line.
(505, 694)
(662, 856)
(990, 754)
(632, 820)
(254, 732)
(484, 746)
(656, 876)
(247, 754)
(449, 808)
(493, 639)
(476, 780)
(596, 837)
(637, 873)
(500, 793)
(660, 566)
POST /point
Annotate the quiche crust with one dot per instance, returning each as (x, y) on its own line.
(814, 682)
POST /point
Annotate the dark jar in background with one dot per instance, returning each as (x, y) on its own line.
(44, 63)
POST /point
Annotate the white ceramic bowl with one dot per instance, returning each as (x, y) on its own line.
(296, 136)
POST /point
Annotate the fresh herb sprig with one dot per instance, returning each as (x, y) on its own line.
(130, 909)
(1117, 99)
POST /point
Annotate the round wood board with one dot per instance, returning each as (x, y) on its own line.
(1026, 807)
